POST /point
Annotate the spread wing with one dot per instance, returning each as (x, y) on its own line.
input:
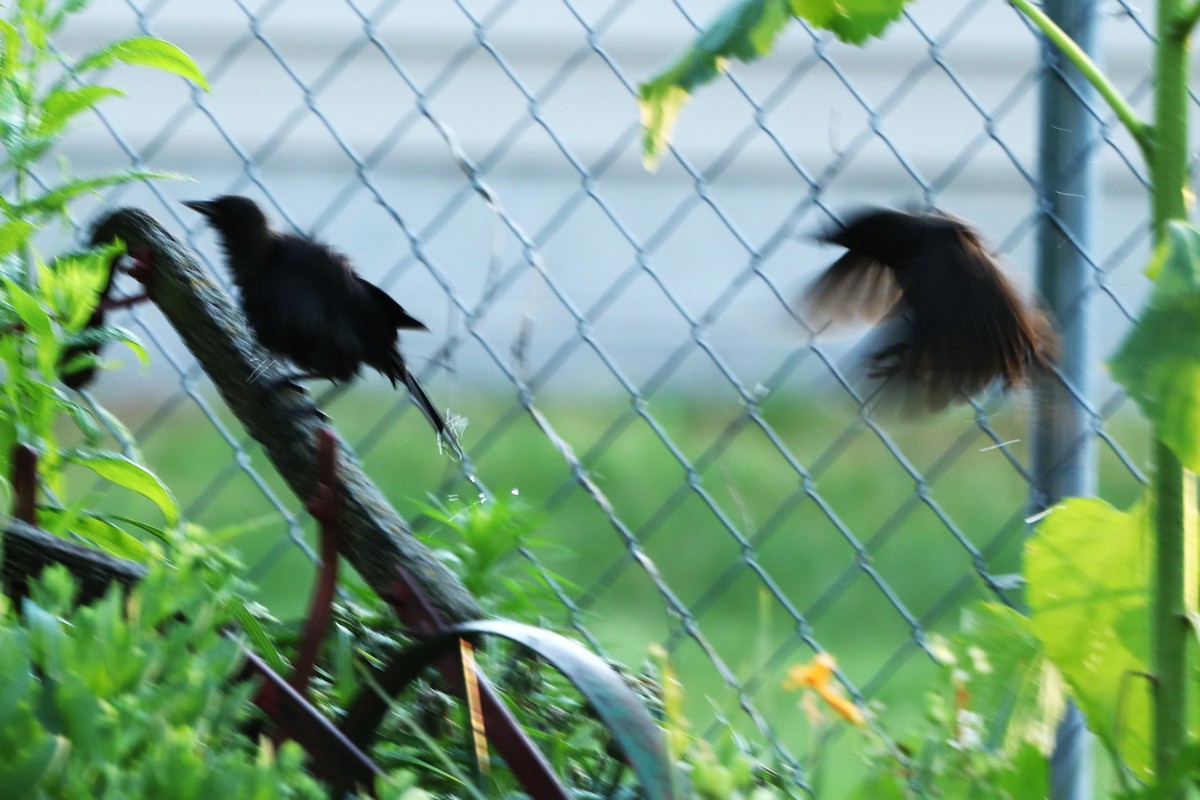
(855, 287)
(966, 324)
(956, 322)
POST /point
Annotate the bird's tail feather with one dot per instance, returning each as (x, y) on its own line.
(417, 392)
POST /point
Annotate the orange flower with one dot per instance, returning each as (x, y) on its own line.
(816, 676)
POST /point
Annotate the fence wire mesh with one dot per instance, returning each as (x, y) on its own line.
(625, 345)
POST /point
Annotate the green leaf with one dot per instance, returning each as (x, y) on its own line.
(745, 31)
(79, 279)
(1029, 775)
(21, 778)
(16, 676)
(1088, 568)
(14, 235)
(1158, 363)
(162, 535)
(262, 643)
(80, 414)
(10, 42)
(131, 476)
(100, 532)
(61, 105)
(28, 309)
(30, 18)
(852, 21)
(55, 200)
(110, 333)
(145, 51)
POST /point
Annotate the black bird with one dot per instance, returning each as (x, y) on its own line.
(956, 322)
(305, 302)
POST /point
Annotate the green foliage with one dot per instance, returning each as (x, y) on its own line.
(132, 697)
(1088, 570)
(989, 727)
(721, 768)
(1159, 361)
(746, 30)
(481, 543)
(46, 304)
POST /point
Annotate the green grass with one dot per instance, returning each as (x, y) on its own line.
(797, 528)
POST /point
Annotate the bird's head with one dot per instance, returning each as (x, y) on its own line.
(232, 215)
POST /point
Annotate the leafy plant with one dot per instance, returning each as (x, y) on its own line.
(482, 542)
(989, 724)
(132, 697)
(724, 768)
(46, 303)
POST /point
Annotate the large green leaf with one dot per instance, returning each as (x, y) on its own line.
(145, 51)
(1088, 569)
(852, 21)
(10, 41)
(1158, 363)
(131, 476)
(61, 105)
(746, 30)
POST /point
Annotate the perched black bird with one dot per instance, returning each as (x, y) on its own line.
(955, 322)
(306, 303)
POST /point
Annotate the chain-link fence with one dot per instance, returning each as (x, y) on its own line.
(623, 344)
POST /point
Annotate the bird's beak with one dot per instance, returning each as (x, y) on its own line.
(205, 207)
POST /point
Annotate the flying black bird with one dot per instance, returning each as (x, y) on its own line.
(305, 302)
(955, 322)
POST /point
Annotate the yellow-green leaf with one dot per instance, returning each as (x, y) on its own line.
(10, 41)
(852, 21)
(28, 309)
(102, 533)
(60, 105)
(134, 477)
(146, 51)
(14, 234)
(1087, 570)
(745, 30)
(1158, 363)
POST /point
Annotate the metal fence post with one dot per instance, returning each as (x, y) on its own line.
(1063, 445)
